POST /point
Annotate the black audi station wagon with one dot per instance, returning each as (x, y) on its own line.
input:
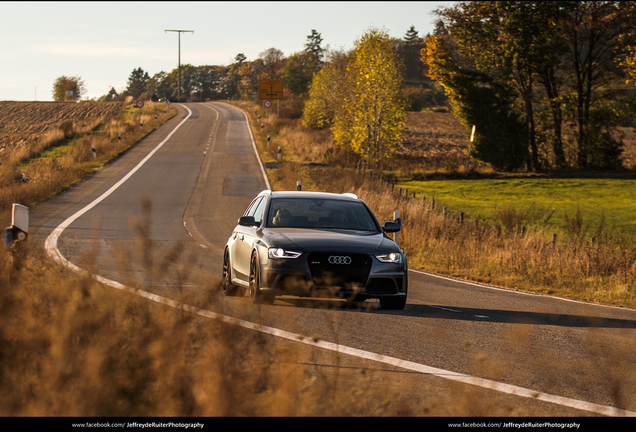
(314, 244)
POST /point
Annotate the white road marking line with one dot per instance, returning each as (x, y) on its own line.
(53, 251)
(456, 311)
(51, 241)
(517, 292)
(443, 308)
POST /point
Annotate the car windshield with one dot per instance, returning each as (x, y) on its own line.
(319, 213)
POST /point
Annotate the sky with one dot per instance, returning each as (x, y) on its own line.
(103, 42)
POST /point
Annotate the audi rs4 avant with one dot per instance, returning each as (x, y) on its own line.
(314, 244)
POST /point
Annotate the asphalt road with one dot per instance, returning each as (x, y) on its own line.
(528, 355)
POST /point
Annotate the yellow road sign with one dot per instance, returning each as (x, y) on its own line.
(270, 89)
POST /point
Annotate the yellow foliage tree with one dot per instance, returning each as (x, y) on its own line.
(628, 62)
(371, 113)
(326, 92)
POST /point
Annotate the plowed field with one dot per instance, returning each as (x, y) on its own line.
(439, 140)
(23, 121)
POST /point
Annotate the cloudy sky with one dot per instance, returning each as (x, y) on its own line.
(102, 42)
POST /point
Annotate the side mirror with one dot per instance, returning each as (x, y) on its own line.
(392, 227)
(247, 221)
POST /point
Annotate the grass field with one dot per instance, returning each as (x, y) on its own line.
(551, 201)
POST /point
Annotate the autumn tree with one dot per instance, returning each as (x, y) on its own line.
(629, 64)
(599, 34)
(273, 59)
(513, 40)
(137, 83)
(478, 99)
(161, 84)
(327, 91)
(566, 53)
(249, 73)
(298, 73)
(371, 115)
(65, 84)
(409, 49)
(315, 51)
(230, 82)
(300, 67)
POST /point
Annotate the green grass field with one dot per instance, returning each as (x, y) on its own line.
(612, 198)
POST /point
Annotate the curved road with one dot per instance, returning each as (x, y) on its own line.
(527, 355)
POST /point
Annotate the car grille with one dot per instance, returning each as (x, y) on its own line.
(346, 270)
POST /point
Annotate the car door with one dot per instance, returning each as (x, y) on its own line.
(242, 247)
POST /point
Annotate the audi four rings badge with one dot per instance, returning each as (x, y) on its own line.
(334, 259)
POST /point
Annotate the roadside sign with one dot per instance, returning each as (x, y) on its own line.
(270, 89)
(254, 94)
(139, 103)
(267, 104)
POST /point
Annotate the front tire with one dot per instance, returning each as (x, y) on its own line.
(255, 292)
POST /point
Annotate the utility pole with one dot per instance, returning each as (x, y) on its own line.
(180, 31)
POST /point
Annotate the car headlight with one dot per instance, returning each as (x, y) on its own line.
(279, 253)
(390, 257)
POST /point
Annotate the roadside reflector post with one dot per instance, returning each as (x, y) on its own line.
(139, 104)
(470, 148)
(279, 154)
(299, 185)
(396, 218)
(19, 229)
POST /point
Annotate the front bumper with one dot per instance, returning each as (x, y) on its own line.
(312, 275)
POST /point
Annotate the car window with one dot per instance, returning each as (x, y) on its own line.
(323, 214)
(258, 214)
(252, 207)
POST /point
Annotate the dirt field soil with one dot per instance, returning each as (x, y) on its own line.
(22, 122)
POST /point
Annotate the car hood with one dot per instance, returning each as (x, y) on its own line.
(308, 240)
